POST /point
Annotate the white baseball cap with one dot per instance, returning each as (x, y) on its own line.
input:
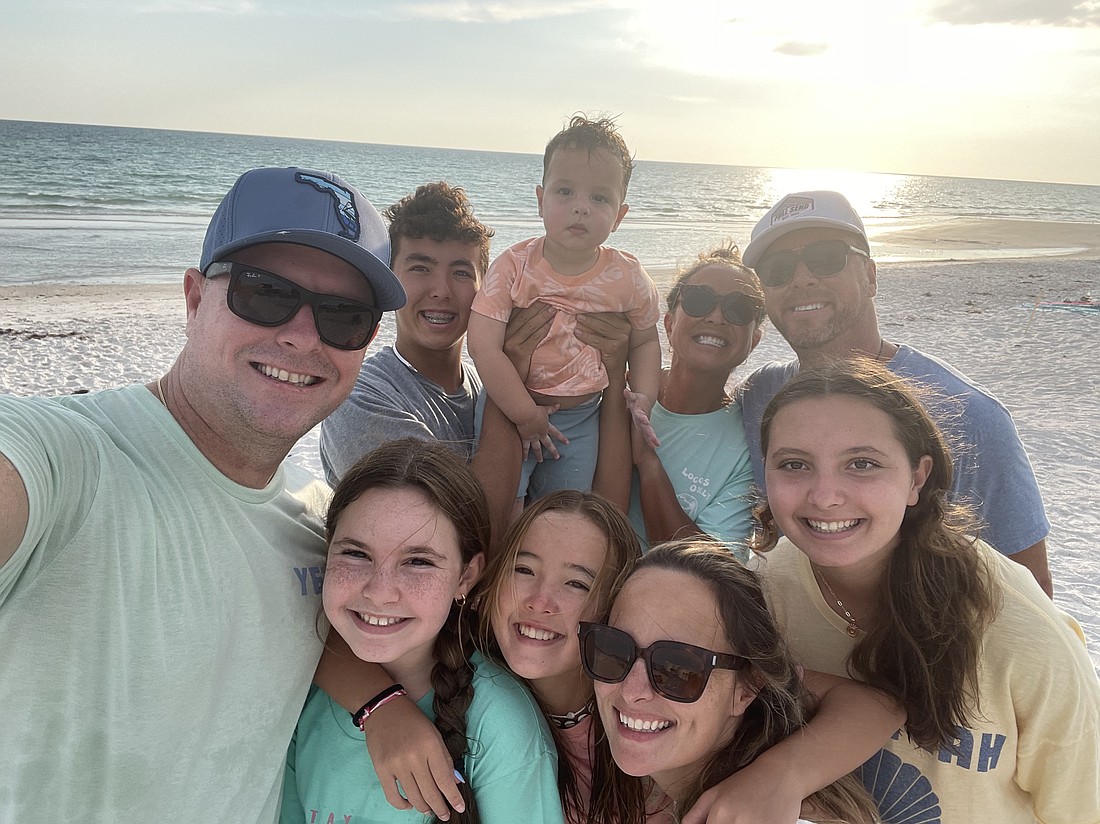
(803, 210)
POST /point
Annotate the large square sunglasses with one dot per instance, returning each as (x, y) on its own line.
(738, 308)
(677, 671)
(824, 259)
(266, 299)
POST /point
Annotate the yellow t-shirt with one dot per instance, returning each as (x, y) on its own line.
(1034, 753)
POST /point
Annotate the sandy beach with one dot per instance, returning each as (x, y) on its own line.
(967, 292)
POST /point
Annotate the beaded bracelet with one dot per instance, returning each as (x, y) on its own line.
(384, 697)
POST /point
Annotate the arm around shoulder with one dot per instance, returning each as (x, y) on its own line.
(404, 745)
(852, 723)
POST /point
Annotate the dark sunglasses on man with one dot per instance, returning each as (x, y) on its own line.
(677, 671)
(824, 258)
(738, 308)
(266, 299)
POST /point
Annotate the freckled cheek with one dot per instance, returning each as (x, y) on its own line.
(341, 583)
(340, 577)
(428, 591)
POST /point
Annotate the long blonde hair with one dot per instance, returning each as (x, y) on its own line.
(622, 551)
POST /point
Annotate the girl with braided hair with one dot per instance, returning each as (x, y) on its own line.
(407, 528)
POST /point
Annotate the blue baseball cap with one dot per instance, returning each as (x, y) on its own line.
(308, 208)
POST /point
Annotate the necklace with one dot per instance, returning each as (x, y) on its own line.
(853, 628)
(571, 719)
(160, 392)
(878, 355)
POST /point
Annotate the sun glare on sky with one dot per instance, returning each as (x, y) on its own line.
(983, 88)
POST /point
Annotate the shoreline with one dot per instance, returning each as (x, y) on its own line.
(918, 239)
(955, 239)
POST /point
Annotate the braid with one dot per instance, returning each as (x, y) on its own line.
(452, 681)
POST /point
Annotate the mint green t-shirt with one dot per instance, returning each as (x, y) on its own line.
(510, 762)
(707, 461)
(157, 622)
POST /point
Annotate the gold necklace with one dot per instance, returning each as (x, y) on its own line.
(160, 392)
(878, 354)
(853, 628)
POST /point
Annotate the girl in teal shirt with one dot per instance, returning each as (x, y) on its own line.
(407, 529)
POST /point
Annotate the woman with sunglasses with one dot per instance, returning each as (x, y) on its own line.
(560, 562)
(698, 479)
(693, 684)
(878, 575)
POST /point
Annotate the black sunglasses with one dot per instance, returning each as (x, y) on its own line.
(824, 258)
(267, 299)
(738, 308)
(676, 670)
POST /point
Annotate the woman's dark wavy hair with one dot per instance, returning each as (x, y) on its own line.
(938, 596)
(441, 212)
(444, 479)
(623, 550)
(781, 707)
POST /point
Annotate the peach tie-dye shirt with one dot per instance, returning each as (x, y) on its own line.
(561, 365)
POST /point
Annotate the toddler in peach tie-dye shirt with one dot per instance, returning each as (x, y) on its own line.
(586, 169)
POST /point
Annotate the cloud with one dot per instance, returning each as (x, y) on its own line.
(434, 11)
(1063, 13)
(230, 7)
(797, 49)
(470, 11)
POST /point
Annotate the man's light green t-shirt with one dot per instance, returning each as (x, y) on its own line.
(157, 622)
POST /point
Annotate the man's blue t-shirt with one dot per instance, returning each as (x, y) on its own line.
(992, 470)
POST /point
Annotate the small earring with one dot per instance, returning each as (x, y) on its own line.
(461, 600)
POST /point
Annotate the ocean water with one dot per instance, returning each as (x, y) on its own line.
(89, 204)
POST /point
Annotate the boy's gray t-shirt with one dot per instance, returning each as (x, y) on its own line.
(992, 470)
(392, 400)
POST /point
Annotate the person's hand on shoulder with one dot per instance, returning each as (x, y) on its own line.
(406, 748)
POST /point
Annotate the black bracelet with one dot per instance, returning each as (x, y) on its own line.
(384, 697)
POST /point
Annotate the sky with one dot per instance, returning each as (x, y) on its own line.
(973, 88)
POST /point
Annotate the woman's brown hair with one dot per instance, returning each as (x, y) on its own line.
(781, 707)
(437, 473)
(938, 597)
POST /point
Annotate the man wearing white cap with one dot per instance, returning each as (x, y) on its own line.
(160, 566)
(812, 256)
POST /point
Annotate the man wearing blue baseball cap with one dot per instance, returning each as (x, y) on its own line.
(160, 565)
(814, 261)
